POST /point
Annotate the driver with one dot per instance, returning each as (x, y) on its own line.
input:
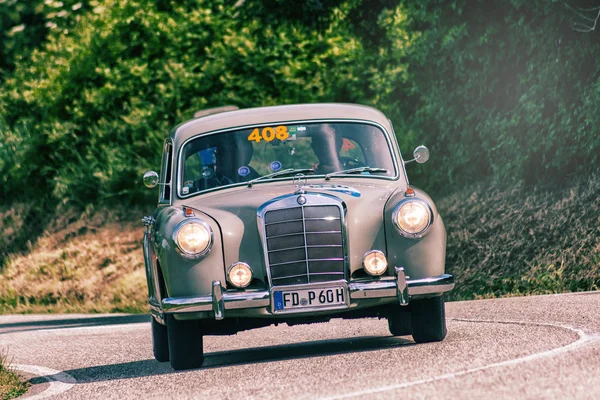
(326, 145)
(232, 157)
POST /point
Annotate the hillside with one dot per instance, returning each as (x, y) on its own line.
(501, 242)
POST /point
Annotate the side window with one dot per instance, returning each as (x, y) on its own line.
(166, 175)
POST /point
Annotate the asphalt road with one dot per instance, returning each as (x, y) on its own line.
(529, 347)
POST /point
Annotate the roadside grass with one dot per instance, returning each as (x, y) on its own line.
(11, 385)
(501, 242)
(523, 240)
(84, 264)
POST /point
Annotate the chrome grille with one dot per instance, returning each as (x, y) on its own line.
(304, 244)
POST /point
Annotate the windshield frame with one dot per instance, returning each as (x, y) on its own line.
(386, 134)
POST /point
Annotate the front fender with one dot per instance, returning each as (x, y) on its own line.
(420, 257)
(183, 276)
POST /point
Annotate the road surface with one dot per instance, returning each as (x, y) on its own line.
(528, 347)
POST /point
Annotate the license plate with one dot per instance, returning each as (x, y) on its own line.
(285, 300)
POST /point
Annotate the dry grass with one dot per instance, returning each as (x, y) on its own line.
(523, 240)
(11, 385)
(79, 265)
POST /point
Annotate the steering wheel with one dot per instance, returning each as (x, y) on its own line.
(349, 162)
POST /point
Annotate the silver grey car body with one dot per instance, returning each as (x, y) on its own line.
(191, 296)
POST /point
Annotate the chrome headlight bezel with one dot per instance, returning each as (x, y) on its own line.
(412, 235)
(232, 266)
(185, 253)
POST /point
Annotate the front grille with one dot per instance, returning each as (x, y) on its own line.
(304, 244)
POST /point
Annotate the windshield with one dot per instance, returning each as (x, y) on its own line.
(235, 157)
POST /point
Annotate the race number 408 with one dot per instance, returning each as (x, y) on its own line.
(269, 134)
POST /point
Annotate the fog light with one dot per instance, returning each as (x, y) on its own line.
(239, 274)
(375, 263)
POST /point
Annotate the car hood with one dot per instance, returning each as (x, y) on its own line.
(235, 211)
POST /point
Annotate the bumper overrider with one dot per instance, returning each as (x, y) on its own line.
(400, 287)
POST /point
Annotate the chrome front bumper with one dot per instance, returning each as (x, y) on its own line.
(220, 300)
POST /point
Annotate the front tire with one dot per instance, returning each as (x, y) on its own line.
(399, 323)
(185, 343)
(160, 341)
(428, 318)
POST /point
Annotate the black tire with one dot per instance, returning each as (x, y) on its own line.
(185, 344)
(399, 323)
(160, 341)
(428, 318)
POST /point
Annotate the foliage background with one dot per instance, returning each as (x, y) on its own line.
(505, 93)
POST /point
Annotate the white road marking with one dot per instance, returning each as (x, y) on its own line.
(59, 381)
(584, 339)
(119, 327)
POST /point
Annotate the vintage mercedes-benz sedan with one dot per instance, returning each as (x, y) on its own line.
(289, 214)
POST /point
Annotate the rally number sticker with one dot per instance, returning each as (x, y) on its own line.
(268, 134)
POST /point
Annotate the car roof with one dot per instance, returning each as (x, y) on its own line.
(276, 114)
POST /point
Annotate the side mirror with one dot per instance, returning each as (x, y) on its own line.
(420, 155)
(150, 179)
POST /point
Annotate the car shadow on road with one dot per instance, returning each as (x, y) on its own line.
(73, 322)
(222, 359)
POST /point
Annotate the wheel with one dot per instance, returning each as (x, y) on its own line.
(160, 341)
(428, 319)
(399, 323)
(185, 343)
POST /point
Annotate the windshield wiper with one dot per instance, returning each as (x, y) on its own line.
(281, 173)
(355, 171)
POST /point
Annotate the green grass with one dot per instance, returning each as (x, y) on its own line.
(11, 385)
(523, 240)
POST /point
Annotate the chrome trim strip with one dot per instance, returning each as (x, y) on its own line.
(363, 289)
(232, 300)
(312, 246)
(312, 273)
(305, 219)
(289, 276)
(401, 286)
(287, 234)
(387, 287)
(308, 259)
(156, 311)
(218, 304)
(386, 134)
(154, 296)
(167, 147)
(300, 191)
(283, 222)
(287, 248)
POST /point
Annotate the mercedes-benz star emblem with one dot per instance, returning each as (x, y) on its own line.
(301, 200)
(299, 181)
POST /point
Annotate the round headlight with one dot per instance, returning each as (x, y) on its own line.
(193, 237)
(412, 218)
(239, 274)
(375, 262)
